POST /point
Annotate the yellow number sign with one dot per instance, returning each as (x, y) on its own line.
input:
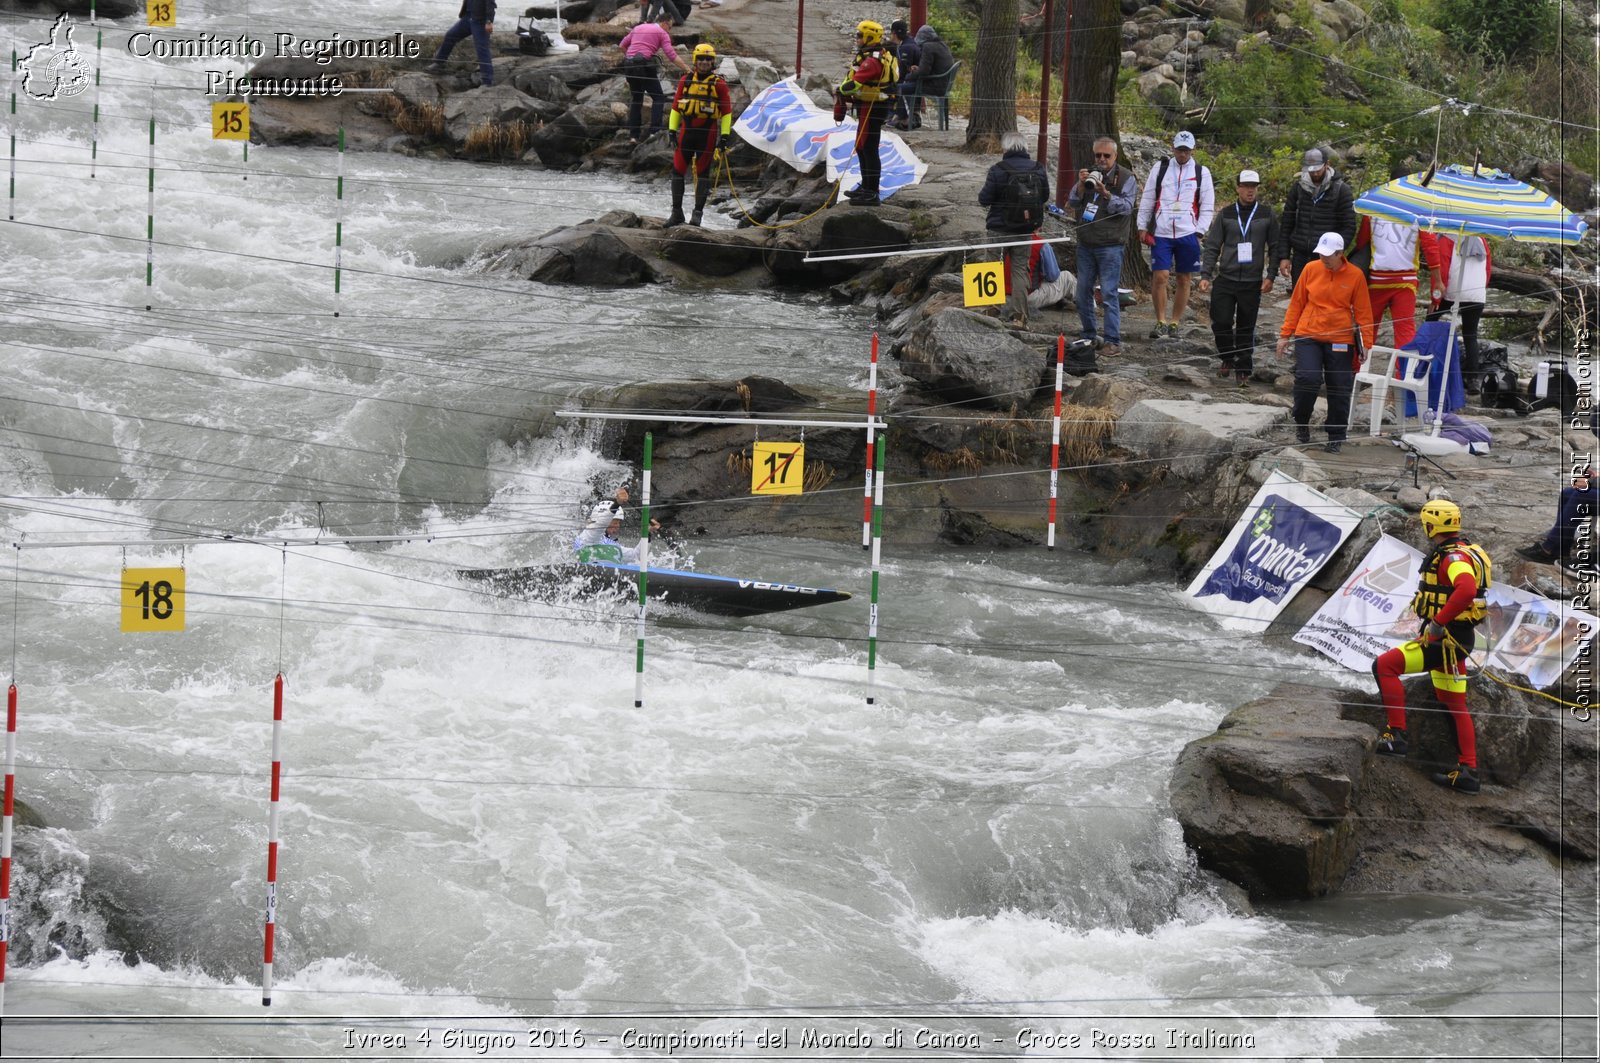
(778, 469)
(162, 13)
(230, 121)
(983, 283)
(152, 599)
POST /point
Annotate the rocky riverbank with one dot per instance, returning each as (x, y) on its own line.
(1159, 456)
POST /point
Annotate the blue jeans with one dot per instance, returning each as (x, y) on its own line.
(480, 38)
(1575, 515)
(1104, 264)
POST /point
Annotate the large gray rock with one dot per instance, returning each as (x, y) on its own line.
(576, 255)
(577, 131)
(1192, 437)
(835, 231)
(573, 69)
(1268, 801)
(497, 105)
(712, 253)
(964, 356)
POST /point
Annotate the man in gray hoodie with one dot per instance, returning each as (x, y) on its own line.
(1319, 202)
(930, 75)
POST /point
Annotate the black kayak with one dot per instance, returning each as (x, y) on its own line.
(722, 595)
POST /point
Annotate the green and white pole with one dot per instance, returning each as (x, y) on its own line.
(877, 553)
(94, 123)
(338, 226)
(11, 201)
(644, 573)
(150, 209)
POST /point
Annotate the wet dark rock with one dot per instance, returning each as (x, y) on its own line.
(577, 255)
(712, 253)
(564, 142)
(966, 357)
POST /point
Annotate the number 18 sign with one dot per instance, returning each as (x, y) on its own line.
(152, 599)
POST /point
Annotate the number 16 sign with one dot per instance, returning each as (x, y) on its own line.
(983, 283)
(152, 599)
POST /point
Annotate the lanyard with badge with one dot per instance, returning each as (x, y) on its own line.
(1247, 250)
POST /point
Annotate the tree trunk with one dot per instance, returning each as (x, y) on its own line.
(994, 78)
(1092, 106)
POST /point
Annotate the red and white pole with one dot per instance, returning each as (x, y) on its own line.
(1055, 442)
(5, 837)
(272, 841)
(872, 414)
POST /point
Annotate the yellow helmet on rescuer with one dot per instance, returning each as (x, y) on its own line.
(704, 51)
(1440, 516)
(870, 32)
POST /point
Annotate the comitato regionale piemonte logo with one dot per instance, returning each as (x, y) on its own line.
(54, 70)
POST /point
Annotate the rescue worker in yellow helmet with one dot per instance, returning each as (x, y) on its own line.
(702, 114)
(1450, 600)
(870, 87)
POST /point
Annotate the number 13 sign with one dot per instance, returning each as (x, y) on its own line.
(152, 599)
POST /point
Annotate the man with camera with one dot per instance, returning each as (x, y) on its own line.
(1102, 203)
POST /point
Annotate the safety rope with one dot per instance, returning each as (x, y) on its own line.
(1454, 655)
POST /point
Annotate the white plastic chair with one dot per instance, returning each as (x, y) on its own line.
(1417, 367)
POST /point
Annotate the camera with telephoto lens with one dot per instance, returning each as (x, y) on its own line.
(1095, 177)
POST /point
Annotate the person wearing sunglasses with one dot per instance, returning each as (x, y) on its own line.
(1102, 203)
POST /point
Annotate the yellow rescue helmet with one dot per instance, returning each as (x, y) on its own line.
(704, 51)
(870, 32)
(1439, 516)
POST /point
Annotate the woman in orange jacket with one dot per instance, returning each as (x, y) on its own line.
(1329, 303)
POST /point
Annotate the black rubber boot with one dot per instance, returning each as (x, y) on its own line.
(702, 189)
(676, 217)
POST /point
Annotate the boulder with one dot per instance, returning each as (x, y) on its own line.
(576, 255)
(417, 90)
(1268, 802)
(496, 105)
(569, 10)
(835, 230)
(572, 69)
(562, 143)
(712, 253)
(1192, 437)
(966, 357)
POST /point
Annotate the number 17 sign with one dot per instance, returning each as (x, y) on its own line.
(777, 468)
(152, 599)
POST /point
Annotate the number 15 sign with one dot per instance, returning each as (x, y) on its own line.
(152, 599)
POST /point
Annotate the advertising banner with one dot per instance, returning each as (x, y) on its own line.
(1285, 536)
(783, 121)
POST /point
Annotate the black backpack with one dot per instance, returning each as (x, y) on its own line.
(1022, 200)
(533, 41)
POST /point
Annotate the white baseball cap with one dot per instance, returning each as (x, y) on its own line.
(1330, 243)
(1184, 139)
(1249, 177)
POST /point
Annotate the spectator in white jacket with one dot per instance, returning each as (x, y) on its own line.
(1174, 211)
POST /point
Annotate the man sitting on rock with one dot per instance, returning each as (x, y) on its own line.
(1571, 541)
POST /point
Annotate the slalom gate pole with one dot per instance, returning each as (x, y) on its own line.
(94, 123)
(872, 607)
(338, 225)
(644, 573)
(872, 413)
(272, 843)
(11, 200)
(1055, 442)
(150, 208)
(5, 838)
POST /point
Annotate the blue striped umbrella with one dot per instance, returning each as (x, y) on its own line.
(1458, 202)
(1463, 201)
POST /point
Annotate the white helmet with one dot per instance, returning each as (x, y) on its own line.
(601, 516)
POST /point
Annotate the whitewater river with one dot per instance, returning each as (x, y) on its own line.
(482, 839)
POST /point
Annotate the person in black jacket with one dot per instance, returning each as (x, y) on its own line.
(1235, 253)
(477, 21)
(1319, 202)
(1006, 223)
(906, 53)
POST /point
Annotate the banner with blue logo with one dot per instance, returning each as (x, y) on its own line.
(783, 121)
(1285, 536)
(1372, 611)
